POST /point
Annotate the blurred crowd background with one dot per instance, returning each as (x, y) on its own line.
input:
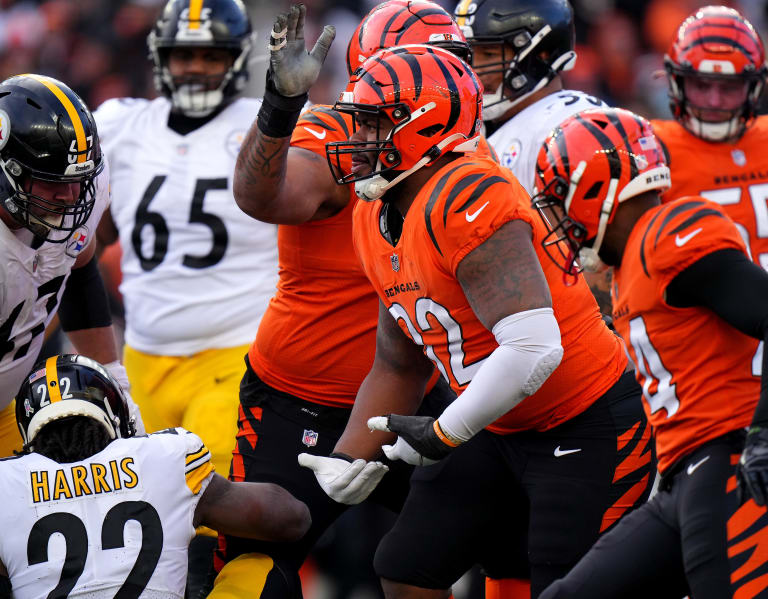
(98, 47)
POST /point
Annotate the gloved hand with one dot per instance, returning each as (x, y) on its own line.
(293, 70)
(418, 442)
(343, 479)
(752, 470)
(118, 372)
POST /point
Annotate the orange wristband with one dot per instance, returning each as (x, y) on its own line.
(442, 436)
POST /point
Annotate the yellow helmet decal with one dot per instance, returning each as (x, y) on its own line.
(52, 377)
(74, 116)
(461, 9)
(195, 9)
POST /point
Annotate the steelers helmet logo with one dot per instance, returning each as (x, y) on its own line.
(5, 128)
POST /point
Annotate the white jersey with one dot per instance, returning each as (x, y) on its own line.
(198, 273)
(32, 282)
(518, 141)
(122, 517)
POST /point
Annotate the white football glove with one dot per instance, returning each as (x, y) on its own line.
(118, 372)
(401, 450)
(343, 481)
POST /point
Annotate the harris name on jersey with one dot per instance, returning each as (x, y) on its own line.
(81, 480)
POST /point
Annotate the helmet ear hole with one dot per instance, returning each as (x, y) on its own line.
(430, 131)
(593, 191)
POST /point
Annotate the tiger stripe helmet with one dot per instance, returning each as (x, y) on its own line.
(432, 97)
(47, 134)
(401, 22)
(589, 164)
(716, 42)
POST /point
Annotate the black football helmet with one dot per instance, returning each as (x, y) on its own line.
(47, 134)
(202, 24)
(536, 38)
(71, 385)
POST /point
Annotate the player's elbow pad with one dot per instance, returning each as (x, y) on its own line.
(529, 351)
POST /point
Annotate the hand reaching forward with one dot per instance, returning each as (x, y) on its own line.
(293, 70)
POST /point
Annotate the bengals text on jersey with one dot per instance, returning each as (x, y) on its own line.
(461, 206)
(700, 376)
(734, 175)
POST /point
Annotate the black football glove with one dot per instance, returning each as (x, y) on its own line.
(417, 443)
(752, 470)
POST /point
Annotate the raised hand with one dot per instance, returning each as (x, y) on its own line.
(293, 70)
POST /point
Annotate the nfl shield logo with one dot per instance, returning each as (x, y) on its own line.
(739, 158)
(395, 260)
(28, 408)
(310, 438)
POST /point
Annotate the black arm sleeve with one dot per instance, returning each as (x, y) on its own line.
(84, 304)
(735, 289)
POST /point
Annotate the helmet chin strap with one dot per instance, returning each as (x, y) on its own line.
(496, 104)
(589, 256)
(374, 187)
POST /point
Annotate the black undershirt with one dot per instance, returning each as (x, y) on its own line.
(182, 124)
(736, 289)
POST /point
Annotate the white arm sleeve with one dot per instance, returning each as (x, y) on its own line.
(529, 351)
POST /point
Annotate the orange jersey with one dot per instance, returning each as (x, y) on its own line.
(461, 206)
(318, 335)
(735, 175)
(695, 369)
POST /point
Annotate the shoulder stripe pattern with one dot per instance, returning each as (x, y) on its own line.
(436, 191)
(642, 244)
(696, 216)
(480, 190)
(198, 467)
(315, 120)
(458, 187)
(672, 213)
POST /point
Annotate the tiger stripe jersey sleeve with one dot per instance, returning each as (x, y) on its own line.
(467, 204)
(682, 233)
(320, 125)
(699, 375)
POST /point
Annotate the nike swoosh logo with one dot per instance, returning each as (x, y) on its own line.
(561, 452)
(692, 467)
(473, 216)
(320, 135)
(681, 241)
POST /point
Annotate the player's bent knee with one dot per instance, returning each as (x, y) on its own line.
(255, 575)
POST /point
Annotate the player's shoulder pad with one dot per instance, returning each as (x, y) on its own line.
(112, 113)
(323, 121)
(683, 231)
(466, 188)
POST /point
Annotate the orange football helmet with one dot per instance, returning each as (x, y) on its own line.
(588, 165)
(400, 22)
(434, 100)
(715, 42)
